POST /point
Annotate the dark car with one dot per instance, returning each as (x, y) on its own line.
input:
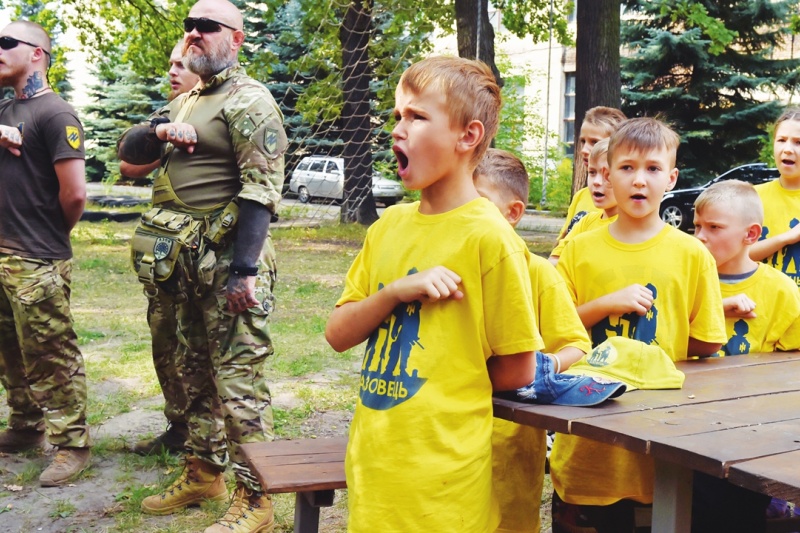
(677, 206)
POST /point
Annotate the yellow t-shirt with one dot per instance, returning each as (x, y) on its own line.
(683, 275)
(419, 454)
(518, 452)
(579, 207)
(781, 213)
(777, 322)
(591, 221)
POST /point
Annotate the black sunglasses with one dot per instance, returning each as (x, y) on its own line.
(203, 25)
(7, 43)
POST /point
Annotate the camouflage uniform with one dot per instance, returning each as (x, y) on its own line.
(36, 292)
(168, 355)
(41, 367)
(229, 400)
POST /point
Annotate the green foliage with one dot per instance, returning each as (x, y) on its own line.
(522, 130)
(122, 99)
(706, 67)
(559, 187)
(530, 18)
(138, 33)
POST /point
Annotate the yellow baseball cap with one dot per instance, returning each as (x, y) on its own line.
(638, 365)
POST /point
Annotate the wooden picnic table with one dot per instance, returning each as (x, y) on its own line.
(735, 417)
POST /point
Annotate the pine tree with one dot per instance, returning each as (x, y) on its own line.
(121, 99)
(714, 69)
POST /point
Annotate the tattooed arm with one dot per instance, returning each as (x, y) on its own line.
(138, 146)
(251, 232)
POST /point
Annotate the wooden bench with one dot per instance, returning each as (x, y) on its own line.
(311, 468)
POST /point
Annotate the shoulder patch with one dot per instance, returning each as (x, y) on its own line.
(271, 138)
(74, 137)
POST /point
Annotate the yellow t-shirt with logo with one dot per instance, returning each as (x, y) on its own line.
(591, 221)
(682, 274)
(781, 213)
(580, 206)
(518, 452)
(777, 322)
(419, 454)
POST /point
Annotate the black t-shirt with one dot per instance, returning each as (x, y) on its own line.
(31, 219)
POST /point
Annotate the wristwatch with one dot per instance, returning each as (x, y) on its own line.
(244, 271)
(154, 122)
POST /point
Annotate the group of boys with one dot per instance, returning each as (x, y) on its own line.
(453, 307)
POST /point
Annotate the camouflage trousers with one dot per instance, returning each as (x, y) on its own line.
(168, 354)
(229, 400)
(41, 367)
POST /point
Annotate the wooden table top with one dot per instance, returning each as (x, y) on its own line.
(735, 417)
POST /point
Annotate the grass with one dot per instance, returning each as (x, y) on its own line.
(109, 312)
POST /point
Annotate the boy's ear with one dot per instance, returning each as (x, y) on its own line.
(606, 172)
(673, 179)
(471, 137)
(515, 210)
(753, 233)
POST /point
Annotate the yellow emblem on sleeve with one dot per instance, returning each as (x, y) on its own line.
(74, 137)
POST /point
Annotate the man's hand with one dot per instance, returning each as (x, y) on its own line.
(437, 283)
(11, 139)
(180, 134)
(739, 306)
(241, 293)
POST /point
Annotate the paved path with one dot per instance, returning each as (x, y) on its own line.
(533, 221)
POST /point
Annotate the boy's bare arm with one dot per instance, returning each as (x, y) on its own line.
(632, 299)
(702, 348)
(568, 356)
(350, 324)
(762, 249)
(510, 372)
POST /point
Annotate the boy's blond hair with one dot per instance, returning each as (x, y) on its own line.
(738, 197)
(790, 113)
(469, 88)
(607, 118)
(599, 150)
(505, 172)
(643, 135)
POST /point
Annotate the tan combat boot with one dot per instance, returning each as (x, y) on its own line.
(20, 440)
(199, 481)
(250, 512)
(66, 465)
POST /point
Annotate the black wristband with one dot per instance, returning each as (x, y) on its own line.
(245, 271)
(154, 122)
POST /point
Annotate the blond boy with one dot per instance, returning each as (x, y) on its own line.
(439, 287)
(643, 279)
(762, 305)
(518, 452)
(602, 198)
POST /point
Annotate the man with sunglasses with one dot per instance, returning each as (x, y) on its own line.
(167, 351)
(42, 195)
(223, 145)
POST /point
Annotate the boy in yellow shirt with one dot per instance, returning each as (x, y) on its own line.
(666, 292)
(441, 293)
(762, 314)
(518, 452)
(602, 197)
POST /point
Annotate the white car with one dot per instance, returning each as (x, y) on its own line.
(323, 177)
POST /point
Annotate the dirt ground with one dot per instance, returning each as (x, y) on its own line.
(91, 503)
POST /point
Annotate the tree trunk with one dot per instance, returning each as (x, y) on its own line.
(597, 72)
(354, 35)
(468, 33)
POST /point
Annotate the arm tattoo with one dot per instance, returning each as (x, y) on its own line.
(138, 147)
(34, 85)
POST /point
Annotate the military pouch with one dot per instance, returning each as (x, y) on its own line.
(222, 225)
(158, 242)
